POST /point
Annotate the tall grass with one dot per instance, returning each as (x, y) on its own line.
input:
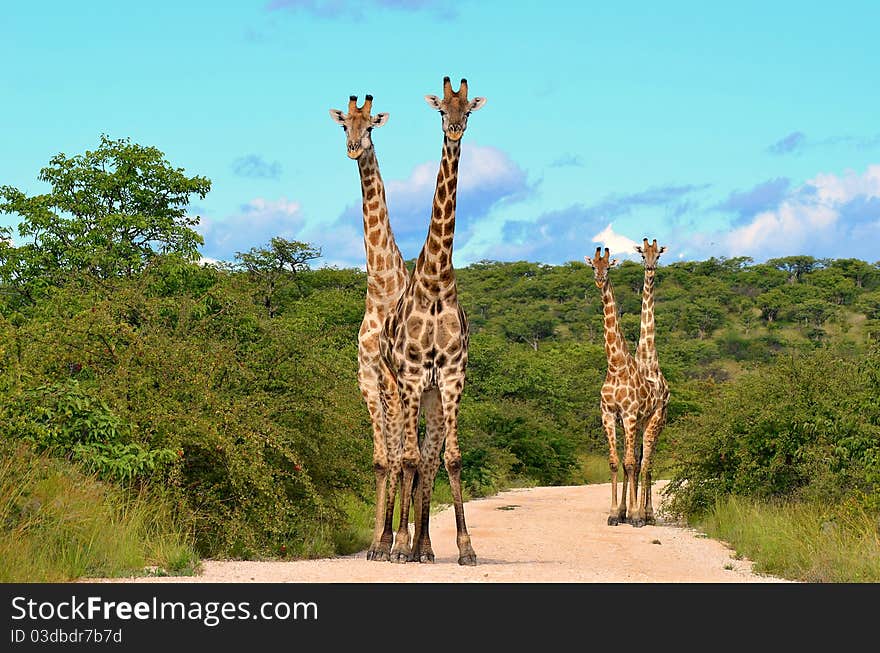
(800, 541)
(57, 524)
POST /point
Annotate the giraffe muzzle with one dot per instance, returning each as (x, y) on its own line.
(454, 132)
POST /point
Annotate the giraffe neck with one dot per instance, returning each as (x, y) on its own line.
(434, 266)
(383, 256)
(646, 354)
(616, 350)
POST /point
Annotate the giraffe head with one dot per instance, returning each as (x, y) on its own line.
(601, 264)
(650, 253)
(358, 123)
(455, 108)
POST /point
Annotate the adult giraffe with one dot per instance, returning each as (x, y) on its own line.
(646, 358)
(386, 279)
(425, 343)
(628, 394)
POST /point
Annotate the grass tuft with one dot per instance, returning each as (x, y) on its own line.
(800, 541)
(59, 525)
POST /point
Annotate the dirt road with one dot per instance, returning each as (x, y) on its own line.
(544, 534)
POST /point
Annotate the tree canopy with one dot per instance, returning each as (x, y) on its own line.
(108, 211)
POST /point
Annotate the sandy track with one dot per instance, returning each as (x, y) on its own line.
(544, 534)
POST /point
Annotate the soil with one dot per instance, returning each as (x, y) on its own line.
(534, 535)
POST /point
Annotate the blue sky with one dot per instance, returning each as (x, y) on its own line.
(742, 130)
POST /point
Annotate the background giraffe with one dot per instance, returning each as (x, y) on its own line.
(646, 358)
(627, 395)
(425, 342)
(386, 279)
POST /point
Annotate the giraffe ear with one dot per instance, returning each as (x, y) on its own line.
(589, 261)
(337, 116)
(612, 263)
(476, 103)
(433, 101)
(662, 249)
(379, 119)
(639, 249)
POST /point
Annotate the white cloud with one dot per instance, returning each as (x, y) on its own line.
(253, 226)
(825, 212)
(617, 243)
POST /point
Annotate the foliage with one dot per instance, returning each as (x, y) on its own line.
(59, 524)
(810, 542)
(807, 426)
(109, 211)
(66, 420)
(234, 386)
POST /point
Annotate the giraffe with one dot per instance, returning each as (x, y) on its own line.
(386, 279)
(629, 395)
(425, 342)
(646, 358)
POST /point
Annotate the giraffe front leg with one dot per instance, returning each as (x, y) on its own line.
(652, 432)
(608, 422)
(380, 546)
(452, 458)
(629, 500)
(410, 459)
(430, 453)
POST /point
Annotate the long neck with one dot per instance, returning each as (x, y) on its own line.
(616, 350)
(434, 266)
(646, 354)
(383, 255)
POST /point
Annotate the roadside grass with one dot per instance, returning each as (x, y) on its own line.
(800, 541)
(360, 514)
(593, 468)
(59, 525)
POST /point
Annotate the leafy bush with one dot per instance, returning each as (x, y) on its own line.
(807, 426)
(66, 420)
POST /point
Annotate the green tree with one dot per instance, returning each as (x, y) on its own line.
(796, 266)
(109, 212)
(269, 266)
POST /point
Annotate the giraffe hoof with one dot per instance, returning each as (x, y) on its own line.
(468, 560)
(613, 520)
(378, 555)
(399, 557)
(427, 557)
(637, 522)
(650, 521)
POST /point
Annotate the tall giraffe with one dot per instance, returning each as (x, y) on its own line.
(627, 394)
(386, 279)
(646, 358)
(425, 342)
